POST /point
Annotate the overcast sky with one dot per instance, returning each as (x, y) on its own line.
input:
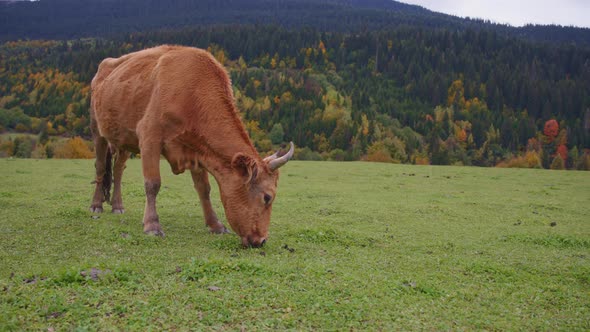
(515, 12)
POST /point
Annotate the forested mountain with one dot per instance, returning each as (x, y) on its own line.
(67, 19)
(413, 93)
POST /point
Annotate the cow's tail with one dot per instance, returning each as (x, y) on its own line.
(107, 180)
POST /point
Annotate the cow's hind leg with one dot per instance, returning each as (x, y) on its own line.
(117, 201)
(103, 180)
(150, 162)
(201, 182)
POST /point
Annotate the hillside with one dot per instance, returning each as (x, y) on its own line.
(402, 95)
(420, 92)
(67, 19)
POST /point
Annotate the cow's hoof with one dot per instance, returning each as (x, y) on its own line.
(118, 211)
(153, 228)
(96, 209)
(156, 232)
(219, 230)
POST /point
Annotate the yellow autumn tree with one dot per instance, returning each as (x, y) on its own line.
(364, 125)
(74, 148)
(378, 152)
(322, 47)
(533, 159)
(421, 159)
(558, 163)
(456, 95)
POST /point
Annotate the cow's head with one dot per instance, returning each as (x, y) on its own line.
(248, 193)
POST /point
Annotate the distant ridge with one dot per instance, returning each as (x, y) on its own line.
(68, 19)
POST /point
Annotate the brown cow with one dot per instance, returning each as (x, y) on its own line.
(178, 101)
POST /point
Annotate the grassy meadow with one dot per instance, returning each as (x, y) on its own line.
(353, 246)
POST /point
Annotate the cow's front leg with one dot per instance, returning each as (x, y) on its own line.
(201, 182)
(150, 162)
(117, 201)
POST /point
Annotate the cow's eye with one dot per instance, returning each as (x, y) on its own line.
(267, 199)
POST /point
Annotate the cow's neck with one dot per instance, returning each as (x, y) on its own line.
(216, 145)
(217, 159)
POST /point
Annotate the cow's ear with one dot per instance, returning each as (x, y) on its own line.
(246, 166)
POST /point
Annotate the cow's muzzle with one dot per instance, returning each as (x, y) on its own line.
(253, 241)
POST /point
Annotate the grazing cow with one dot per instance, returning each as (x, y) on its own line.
(177, 102)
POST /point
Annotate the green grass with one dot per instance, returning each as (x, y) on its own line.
(352, 246)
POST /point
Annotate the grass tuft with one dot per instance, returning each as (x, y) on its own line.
(199, 269)
(554, 241)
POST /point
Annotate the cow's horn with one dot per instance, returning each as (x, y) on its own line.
(272, 157)
(277, 162)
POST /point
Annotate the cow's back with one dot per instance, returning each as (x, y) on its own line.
(162, 92)
(122, 90)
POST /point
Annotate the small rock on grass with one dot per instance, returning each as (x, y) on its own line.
(213, 288)
(32, 280)
(94, 273)
(411, 284)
